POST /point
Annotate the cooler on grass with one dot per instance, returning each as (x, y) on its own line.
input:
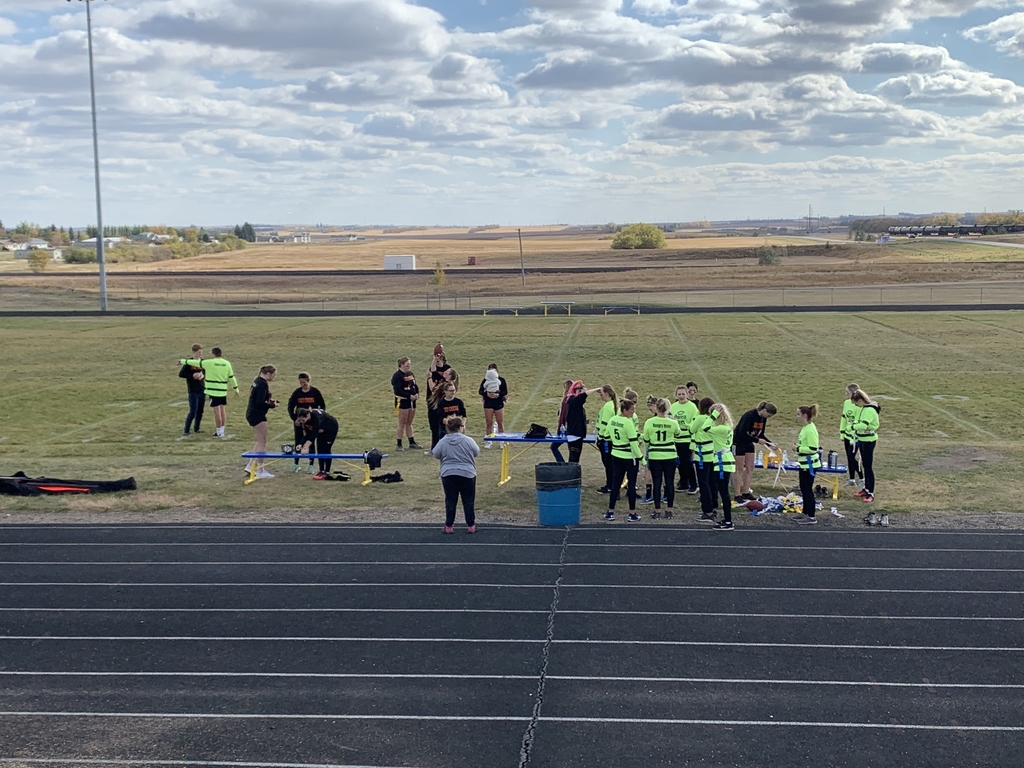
(559, 493)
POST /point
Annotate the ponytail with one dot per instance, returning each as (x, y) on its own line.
(810, 411)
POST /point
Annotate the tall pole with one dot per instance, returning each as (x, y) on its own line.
(96, 162)
(522, 267)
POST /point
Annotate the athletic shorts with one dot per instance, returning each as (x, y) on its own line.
(215, 401)
(742, 449)
(255, 418)
(405, 405)
(495, 404)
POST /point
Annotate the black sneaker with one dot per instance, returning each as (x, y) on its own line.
(739, 499)
(647, 500)
(807, 521)
(706, 519)
(656, 515)
(609, 515)
(693, 491)
(413, 446)
(633, 517)
(604, 489)
(668, 513)
(749, 497)
(725, 525)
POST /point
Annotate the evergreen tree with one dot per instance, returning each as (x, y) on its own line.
(248, 233)
(238, 232)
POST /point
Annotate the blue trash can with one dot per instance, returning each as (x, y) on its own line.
(559, 493)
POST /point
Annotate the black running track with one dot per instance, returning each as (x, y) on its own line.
(596, 646)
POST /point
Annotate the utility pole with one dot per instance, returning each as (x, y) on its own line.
(522, 266)
(100, 261)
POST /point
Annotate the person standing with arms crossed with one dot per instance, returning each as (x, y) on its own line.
(193, 376)
(684, 411)
(849, 438)
(865, 430)
(305, 396)
(218, 374)
(403, 384)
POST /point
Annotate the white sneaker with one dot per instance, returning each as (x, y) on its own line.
(851, 481)
(488, 445)
(248, 467)
(296, 468)
(309, 469)
(884, 521)
(263, 474)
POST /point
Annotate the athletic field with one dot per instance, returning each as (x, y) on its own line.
(100, 398)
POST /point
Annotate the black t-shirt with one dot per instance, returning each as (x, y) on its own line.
(320, 425)
(300, 399)
(437, 375)
(259, 398)
(453, 407)
(404, 384)
(750, 428)
(576, 416)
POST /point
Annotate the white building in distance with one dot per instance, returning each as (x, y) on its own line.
(402, 261)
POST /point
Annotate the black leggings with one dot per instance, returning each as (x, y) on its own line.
(663, 470)
(324, 443)
(851, 460)
(623, 468)
(707, 501)
(719, 485)
(575, 449)
(807, 491)
(867, 458)
(455, 486)
(605, 446)
(436, 427)
(687, 477)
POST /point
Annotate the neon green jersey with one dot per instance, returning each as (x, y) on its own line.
(865, 424)
(702, 444)
(807, 448)
(846, 421)
(625, 441)
(721, 439)
(217, 372)
(681, 414)
(603, 417)
(660, 435)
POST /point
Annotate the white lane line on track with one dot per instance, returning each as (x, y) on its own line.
(205, 763)
(506, 641)
(456, 563)
(461, 611)
(513, 719)
(452, 585)
(564, 678)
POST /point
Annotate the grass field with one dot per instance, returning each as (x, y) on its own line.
(101, 398)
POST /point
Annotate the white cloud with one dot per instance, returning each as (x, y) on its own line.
(952, 87)
(1006, 32)
(7, 27)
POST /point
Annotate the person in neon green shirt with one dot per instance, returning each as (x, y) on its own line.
(849, 439)
(626, 458)
(809, 458)
(723, 462)
(684, 410)
(604, 440)
(219, 374)
(702, 446)
(865, 431)
(661, 434)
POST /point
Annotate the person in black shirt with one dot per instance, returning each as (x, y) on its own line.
(320, 430)
(576, 419)
(494, 392)
(260, 402)
(305, 396)
(403, 384)
(194, 380)
(438, 367)
(748, 434)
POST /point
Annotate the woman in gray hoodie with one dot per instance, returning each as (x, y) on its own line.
(457, 452)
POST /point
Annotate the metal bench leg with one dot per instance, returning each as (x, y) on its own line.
(505, 460)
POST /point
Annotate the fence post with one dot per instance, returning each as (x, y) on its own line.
(981, 299)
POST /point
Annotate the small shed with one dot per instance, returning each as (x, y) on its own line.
(402, 261)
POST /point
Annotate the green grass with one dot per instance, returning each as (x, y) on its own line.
(101, 398)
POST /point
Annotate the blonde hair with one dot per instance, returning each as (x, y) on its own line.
(662, 406)
(723, 417)
(861, 395)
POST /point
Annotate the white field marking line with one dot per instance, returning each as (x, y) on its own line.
(582, 529)
(564, 678)
(965, 319)
(325, 639)
(135, 412)
(862, 372)
(385, 384)
(679, 614)
(506, 641)
(709, 566)
(978, 359)
(511, 719)
(783, 723)
(692, 359)
(454, 585)
(811, 646)
(205, 763)
(557, 360)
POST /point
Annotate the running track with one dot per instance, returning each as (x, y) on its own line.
(596, 646)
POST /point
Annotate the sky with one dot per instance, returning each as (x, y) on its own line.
(473, 112)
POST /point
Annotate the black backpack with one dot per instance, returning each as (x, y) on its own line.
(537, 431)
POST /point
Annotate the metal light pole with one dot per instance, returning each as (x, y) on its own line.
(522, 266)
(96, 162)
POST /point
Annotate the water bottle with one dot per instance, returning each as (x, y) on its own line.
(833, 460)
(760, 458)
(785, 457)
